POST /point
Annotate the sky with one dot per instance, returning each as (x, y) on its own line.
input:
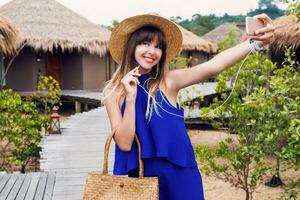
(105, 11)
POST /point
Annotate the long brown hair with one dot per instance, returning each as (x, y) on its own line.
(145, 33)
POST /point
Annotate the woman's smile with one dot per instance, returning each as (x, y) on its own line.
(148, 54)
(149, 59)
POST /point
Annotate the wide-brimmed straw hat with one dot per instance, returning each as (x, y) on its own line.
(123, 30)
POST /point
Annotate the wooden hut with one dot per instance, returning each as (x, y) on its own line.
(287, 34)
(59, 43)
(195, 47)
(9, 41)
(219, 33)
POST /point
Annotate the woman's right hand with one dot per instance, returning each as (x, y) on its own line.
(130, 82)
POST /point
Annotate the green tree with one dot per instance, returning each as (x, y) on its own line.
(268, 7)
(226, 18)
(229, 41)
(20, 126)
(293, 7)
(264, 111)
(199, 24)
(179, 62)
(241, 164)
(176, 19)
(110, 27)
(49, 94)
(263, 4)
(115, 23)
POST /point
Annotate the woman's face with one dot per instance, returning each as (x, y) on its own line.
(148, 54)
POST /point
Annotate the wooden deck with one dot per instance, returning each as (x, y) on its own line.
(197, 90)
(83, 96)
(30, 186)
(78, 150)
(96, 95)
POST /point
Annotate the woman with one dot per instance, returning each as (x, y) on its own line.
(141, 99)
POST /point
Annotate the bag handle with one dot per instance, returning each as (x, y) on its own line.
(106, 151)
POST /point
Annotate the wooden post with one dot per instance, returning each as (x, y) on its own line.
(77, 107)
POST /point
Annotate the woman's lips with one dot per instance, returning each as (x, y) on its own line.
(149, 60)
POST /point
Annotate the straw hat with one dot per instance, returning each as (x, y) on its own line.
(122, 31)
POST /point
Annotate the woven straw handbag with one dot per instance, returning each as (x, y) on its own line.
(111, 187)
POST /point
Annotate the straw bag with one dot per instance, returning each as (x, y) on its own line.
(108, 187)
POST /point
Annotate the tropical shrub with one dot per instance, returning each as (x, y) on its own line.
(20, 126)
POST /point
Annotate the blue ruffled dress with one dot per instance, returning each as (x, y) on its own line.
(166, 149)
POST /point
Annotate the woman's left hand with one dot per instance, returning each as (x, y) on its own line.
(264, 35)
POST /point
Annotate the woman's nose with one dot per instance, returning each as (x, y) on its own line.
(151, 49)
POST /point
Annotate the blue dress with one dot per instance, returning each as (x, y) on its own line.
(167, 151)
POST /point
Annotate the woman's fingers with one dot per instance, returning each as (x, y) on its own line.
(137, 80)
(266, 36)
(263, 17)
(130, 78)
(266, 33)
(135, 72)
(267, 21)
(133, 79)
(134, 69)
(265, 30)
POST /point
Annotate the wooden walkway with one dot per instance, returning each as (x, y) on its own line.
(82, 96)
(78, 150)
(30, 186)
(197, 90)
(96, 95)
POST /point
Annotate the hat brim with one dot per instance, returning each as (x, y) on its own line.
(123, 30)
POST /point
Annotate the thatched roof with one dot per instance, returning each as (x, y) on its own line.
(287, 33)
(9, 37)
(219, 33)
(47, 24)
(193, 42)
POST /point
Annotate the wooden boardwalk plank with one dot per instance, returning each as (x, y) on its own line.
(24, 188)
(50, 186)
(33, 185)
(41, 186)
(4, 181)
(78, 150)
(9, 185)
(1, 176)
(30, 186)
(15, 190)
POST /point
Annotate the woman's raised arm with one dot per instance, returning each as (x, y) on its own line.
(181, 78)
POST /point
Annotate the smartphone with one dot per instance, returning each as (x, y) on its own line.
(253, 24)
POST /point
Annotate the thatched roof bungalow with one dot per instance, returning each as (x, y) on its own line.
(196, 47)
(287, 34)
(9, 37)
(219, 33)
(59, 43)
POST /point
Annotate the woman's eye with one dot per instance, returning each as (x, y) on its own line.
(158, 47)
(146, 43)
